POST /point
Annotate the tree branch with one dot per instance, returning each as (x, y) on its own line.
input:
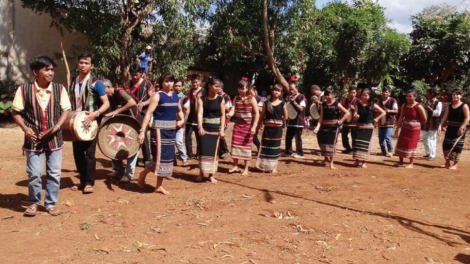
(273, 29)
(269, 52)
(121, 10)
(249, 49)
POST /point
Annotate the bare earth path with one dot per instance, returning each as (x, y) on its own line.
(304, 214)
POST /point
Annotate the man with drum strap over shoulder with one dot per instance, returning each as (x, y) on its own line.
(121, 103)
(141, 90)
(40, 108)
(433, 110)
(350, 125)
(87, 94)
(295, 125)
(390, 106)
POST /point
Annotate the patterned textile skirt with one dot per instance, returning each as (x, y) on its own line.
(208, 158)
(362, 138)
(162, 145)
(327, 138)
(408, 139)
(453, 143)
(241, 142)
(268, 155)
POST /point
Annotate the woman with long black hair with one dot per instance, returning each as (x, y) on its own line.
(164, 108)
(362, 136)
(456, 117)
(211, 124)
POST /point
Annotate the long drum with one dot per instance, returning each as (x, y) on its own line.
(383, 120)
(314, 111)
(350, 117)
(73, 128)
(117, 138)
(291, 112)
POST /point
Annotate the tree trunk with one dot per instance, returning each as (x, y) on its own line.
(269, 52)
(124, 56)
(345, 83)
(59, 36)
(11, 41)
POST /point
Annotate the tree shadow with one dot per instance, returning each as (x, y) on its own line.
(462, 258)
(65, 182)
(407, 223)
(13, 202)
(106, 163)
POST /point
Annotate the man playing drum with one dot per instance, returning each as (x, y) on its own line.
(87, 94)
(141, 90)
(350, 125)
(295, 125)
(121, 102)
(40, 108)
(433, 110)
(390, 106)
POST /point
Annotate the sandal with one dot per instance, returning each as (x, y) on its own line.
(53, 212)
(31, 210)
(88, 189)
(77, 187)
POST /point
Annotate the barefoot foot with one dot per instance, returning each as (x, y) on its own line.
(409, 166)
(274, 171)
(245, 173)
(199, 178)
(453, 167)
(141, 180)
(364, 166)
(234, 169)
(212, 180)
(161, 190)
(332, 167)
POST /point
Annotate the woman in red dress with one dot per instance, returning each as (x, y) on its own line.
(412, 117)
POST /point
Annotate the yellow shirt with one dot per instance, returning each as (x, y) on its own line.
(43, 96)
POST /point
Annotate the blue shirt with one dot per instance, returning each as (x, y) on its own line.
(144, 60)
(98, 88)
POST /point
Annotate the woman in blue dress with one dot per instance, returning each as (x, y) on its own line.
(164, 108)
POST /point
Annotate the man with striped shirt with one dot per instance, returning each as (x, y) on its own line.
(40, 108)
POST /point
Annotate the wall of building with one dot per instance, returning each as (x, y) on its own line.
(32, 35)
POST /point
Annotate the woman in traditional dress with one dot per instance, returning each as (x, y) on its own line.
(272, 117)
(211, 122)
(362, 136)
(412, 117)
(457, 117)
(246, 113)
(328, 126)
(164, 108)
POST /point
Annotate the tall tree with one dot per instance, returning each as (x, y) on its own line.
(266, 29)
(116, 39)
(440, 48)
(351, 42)
(57, 12)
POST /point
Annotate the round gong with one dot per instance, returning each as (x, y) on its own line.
(117, 138)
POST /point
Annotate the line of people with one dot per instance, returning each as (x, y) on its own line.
(40, 109)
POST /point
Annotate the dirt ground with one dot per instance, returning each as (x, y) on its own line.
(304, 214)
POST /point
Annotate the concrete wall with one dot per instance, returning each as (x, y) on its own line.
(32, 35)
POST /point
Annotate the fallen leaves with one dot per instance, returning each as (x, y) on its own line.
(85, 226)
(122, 201)
(278, 215)
(301, 229)
(68, 203)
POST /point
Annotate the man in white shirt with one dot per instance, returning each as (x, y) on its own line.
(433, 109)
(295, 126)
